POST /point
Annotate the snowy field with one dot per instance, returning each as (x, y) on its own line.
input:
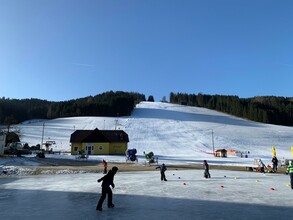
(177, 135)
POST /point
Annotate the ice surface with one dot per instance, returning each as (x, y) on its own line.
(142, 195)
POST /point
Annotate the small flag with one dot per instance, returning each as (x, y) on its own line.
(274, 151)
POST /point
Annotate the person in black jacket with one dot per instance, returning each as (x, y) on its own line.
(275, 164)
(163, 168)
(108, 180)
(205, 166)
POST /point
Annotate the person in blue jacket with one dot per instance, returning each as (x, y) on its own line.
(108, 180)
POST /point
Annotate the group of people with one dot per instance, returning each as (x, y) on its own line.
(289, 170)
(108, 179)
(263, 167)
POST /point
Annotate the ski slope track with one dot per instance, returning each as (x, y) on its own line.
(175, 133)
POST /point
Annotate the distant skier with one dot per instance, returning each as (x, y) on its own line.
(163, 168)
(105, 165)
(290, 172)
(262, 166)
(275, 164)
(108, 180)
(205, 166)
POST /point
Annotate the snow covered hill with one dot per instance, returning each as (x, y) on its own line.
(172, 132)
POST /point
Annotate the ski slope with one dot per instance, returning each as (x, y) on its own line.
(175, 133)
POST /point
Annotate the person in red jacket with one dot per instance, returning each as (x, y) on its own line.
(108, 180)
(105, 165)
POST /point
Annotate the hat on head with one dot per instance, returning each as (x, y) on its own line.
(115, 169)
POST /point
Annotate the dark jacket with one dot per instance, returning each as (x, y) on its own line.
(108, 179)
(275, 160)
(163, 168)
(205, 165)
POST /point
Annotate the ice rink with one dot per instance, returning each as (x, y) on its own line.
(142, 195)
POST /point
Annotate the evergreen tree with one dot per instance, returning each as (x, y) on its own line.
(151, 98)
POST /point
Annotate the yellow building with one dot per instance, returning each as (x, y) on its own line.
(97, 142)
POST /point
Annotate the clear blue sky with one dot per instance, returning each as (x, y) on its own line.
(65, 49)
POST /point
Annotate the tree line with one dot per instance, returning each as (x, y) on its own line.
(13, 111)
(265, 109)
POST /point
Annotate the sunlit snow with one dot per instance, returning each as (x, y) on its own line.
(176, 134)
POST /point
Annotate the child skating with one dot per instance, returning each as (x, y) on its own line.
(262, 167)
(162, 168)
(205, 166)
(105, 165)
(108, 180)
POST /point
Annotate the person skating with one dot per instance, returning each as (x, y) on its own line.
(205, 166)
(262, 166)
(275, 164)
(162, 168)
(105, 165)
(290, 172)
(108, 180)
